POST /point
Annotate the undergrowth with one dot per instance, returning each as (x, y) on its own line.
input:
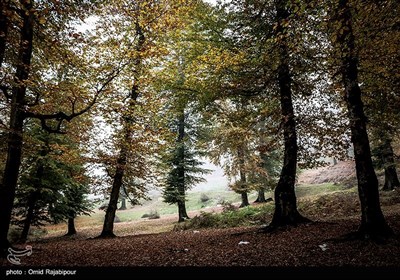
(230, 217)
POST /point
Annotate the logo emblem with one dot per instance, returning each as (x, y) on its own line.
(13, 256)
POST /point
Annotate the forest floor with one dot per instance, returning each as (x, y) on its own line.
(318, 244)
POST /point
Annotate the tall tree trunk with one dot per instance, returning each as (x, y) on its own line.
(181, 169)
(391, 178)
(29, 216)
(286, 212)
(261, 196)
(71, 226)
(373, 223)
(245, 200)
(14, 138)
(123, 204)
(34, 196)
(4, 7)
(182, 211)
(264, 160)
(108, 226)
(243, 180)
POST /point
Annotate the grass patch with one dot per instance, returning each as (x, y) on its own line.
(318, 189)
(336, 204)
(152, 215)
(194, 201)
(247, 216)
(310, 198)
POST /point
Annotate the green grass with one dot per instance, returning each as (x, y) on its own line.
(193, 202)
(318, 189)
(255, 214)
(246, 216)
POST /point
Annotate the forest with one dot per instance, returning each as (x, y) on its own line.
(103, 102)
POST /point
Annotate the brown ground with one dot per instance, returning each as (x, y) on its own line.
(307, 246)
(343, 172)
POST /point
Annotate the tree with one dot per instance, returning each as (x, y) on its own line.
(52, 185)
(76, 203)
(266, 180)
(123, 201)
(118, 175)
(241, 186)
(4, 6)
(373, 223)
(231, 144)
(286, 212)
(378, 38)
(10, 176)
(181, 160)
(108, 226)
(391, 177)
(383, 158)
(40, 24)
(137, 111)
(183, 168)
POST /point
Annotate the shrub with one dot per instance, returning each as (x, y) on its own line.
(229, 218)
(103, 206)
(14, 234)
(204, 220)
(35, 233)
(204, 198)
(152, 215)
(228, 206)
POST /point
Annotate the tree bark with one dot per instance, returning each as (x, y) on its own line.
(261, 196)
(71, 226)
(108, 226)
(391, 178)
(3, 29)
(123, 204)
(373, 223)
(286, 212)
(34, 197)
(29, 216)
(182, 211)
(245, 200)
(14, 139)
(181, 169)
(243, 179)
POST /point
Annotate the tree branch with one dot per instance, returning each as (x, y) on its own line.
(5, 89)
(61, 116)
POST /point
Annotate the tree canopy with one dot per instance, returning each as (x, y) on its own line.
(123, 96)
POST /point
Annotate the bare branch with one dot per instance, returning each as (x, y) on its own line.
(109, 172)
(61, 116)
(127, 195)
(52, 130)
(5, 89)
